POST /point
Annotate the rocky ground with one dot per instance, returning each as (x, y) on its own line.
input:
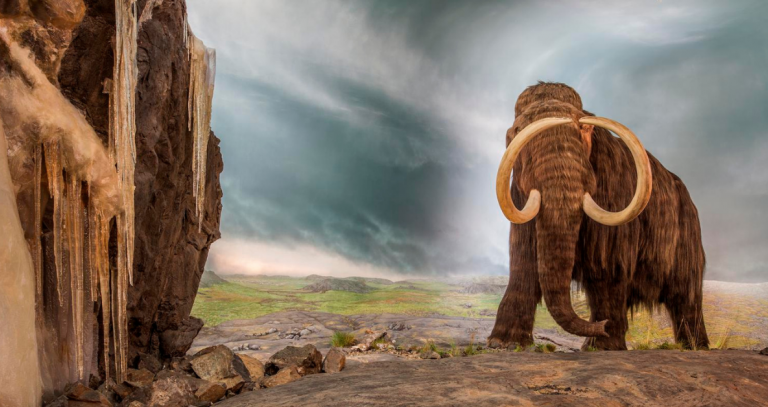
(634, 378)
(261, 337)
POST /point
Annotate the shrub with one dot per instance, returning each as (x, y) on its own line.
(342, 339)
(669, 346)
(545, 348)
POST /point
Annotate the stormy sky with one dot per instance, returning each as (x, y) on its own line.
(363, 137)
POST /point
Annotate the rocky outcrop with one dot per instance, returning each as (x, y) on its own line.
(635, 378)
(170, 251)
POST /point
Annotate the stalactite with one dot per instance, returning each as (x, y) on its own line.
(122, 134)
(37, 245)
(55, 186)
(202, 73)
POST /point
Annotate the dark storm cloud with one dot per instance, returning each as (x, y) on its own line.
(373, 129)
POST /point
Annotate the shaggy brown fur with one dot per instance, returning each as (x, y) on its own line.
(655, 259)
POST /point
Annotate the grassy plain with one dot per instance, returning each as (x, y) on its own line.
(732, 320)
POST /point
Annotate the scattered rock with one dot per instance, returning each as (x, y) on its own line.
(307, 360)
(219, 364)
(368, 339)
(254, 366)
(334, 361)
(467, 305)
(430, 355)
(284, 376)
(398, 326)
(271, 330)
(79, 395)
(139, 378)
(305, 332)
(211, 392)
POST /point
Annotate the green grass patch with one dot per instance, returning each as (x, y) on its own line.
(342, 339)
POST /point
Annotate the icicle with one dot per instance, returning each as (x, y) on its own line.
(74, 229)
(99, 239)
(122, 133)
(202, 73)
(55, 186)
(37, 256)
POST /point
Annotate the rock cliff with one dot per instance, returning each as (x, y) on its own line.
(72, 42)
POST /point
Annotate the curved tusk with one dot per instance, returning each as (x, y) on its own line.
(644, 177)
(505, 171)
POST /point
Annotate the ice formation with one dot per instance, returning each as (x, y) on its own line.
(47, 135)
(61, 259)
(122, 103)
(202, 73)
(20, 376)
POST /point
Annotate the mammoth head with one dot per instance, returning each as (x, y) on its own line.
(586, 123)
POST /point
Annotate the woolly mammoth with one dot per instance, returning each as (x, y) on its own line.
(599, 211)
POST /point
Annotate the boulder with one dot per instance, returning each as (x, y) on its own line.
(210, 392)
(284, 376)
(139, 378)
(218, 364)
(79, 395)
(307, 360)
(254, 366)
(334, 361)
(171, 391)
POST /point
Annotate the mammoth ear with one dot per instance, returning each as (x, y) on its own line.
(586, 136)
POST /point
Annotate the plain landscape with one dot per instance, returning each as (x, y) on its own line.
(237, 308)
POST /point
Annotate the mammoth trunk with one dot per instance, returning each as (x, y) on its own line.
(557, 231)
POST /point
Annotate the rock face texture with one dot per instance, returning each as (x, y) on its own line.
(636, 378)
(170, 247)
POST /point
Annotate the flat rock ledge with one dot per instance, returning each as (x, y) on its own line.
(635, 378)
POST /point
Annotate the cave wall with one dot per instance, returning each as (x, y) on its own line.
(170, 252)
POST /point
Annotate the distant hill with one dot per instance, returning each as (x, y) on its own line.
(210, 279)
(382, 281)
(339, 284)
(316, 277)
(481, 288)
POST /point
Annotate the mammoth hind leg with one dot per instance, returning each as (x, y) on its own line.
(515, 317)
(607, 300)
(688, 322)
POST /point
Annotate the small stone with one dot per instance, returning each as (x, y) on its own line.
(430, 355)
(334, 361)
(211, 392)
(284, 376)
(254, 366)
(271, 330)
(139, 378)
(78, 394)
(254, 347)
(305, 332)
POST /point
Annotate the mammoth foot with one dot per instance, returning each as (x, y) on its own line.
(511, 343)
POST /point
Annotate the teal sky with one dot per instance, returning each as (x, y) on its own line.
(363, 137)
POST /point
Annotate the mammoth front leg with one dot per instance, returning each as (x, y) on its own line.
(515, 317)
(607, 300)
